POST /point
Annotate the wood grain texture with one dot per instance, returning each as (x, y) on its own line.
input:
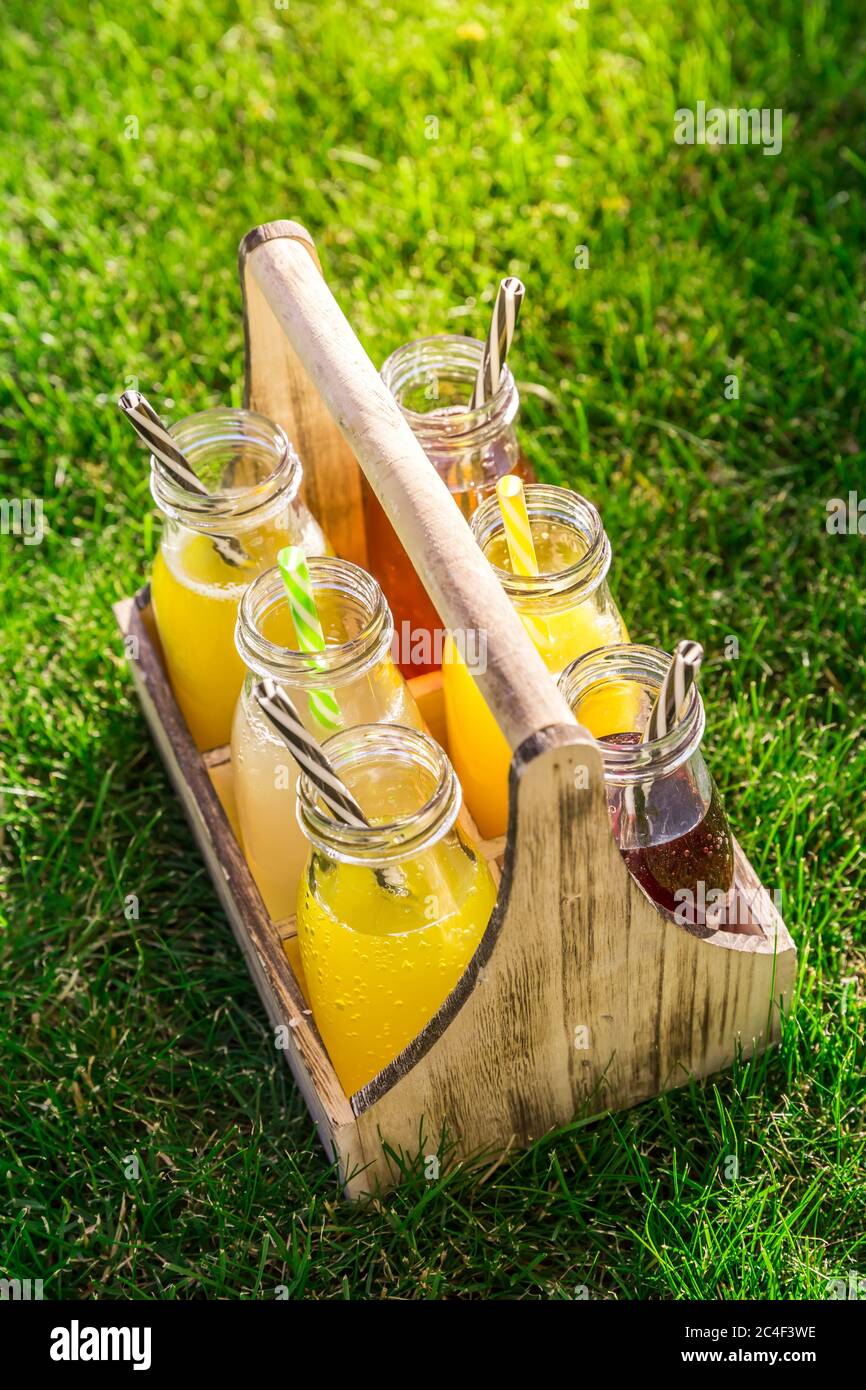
(462, 586)
(573, 944)
(277, 386)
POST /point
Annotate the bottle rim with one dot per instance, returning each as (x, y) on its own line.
(340, 662)
(451, 357)
(405, 836)
(209, 431)
(646, 666)
(574, 583)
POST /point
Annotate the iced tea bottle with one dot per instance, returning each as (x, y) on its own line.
(665, 811)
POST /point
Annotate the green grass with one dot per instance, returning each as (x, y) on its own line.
(119, 261)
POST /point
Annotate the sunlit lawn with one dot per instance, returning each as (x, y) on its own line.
(553, 130)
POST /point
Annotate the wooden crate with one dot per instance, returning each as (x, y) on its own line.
(581, 997)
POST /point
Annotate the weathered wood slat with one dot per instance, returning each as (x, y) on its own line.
(238, 894)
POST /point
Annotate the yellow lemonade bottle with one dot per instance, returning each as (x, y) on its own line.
(356, 665)
(389, 915)
(253, 477)
(567, 610)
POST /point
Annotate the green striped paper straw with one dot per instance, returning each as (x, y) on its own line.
(296, 577)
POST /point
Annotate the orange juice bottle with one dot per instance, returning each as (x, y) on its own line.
(432, 380)
(566, 609)
(253, 476)
(389, 915)
(356, 666)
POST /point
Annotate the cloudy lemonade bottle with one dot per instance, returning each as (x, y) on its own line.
(566, 609)
(389, 915)
(253, 477)
(355, 665)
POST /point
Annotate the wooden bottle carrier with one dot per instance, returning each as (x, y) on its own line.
(581, 997)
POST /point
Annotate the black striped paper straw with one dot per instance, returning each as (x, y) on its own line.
(315, 764)
(509, 298)
(152, 432)
(665, 713)
(681, 676)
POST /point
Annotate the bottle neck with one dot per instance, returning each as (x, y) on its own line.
(355, 618)
(432, 379)
(384, 765)
(244, 460)
(629, 677)
(573, 530)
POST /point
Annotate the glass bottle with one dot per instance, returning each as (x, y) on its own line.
(212, 546)
(567, 609)
(431, 380)
(389, 915)
(356, 665)
(665, 811)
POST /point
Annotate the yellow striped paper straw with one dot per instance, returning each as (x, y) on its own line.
(515, 519)
(521, 550)
(305, 615)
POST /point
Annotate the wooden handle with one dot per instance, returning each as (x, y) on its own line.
(277, 386)
(516, 685)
